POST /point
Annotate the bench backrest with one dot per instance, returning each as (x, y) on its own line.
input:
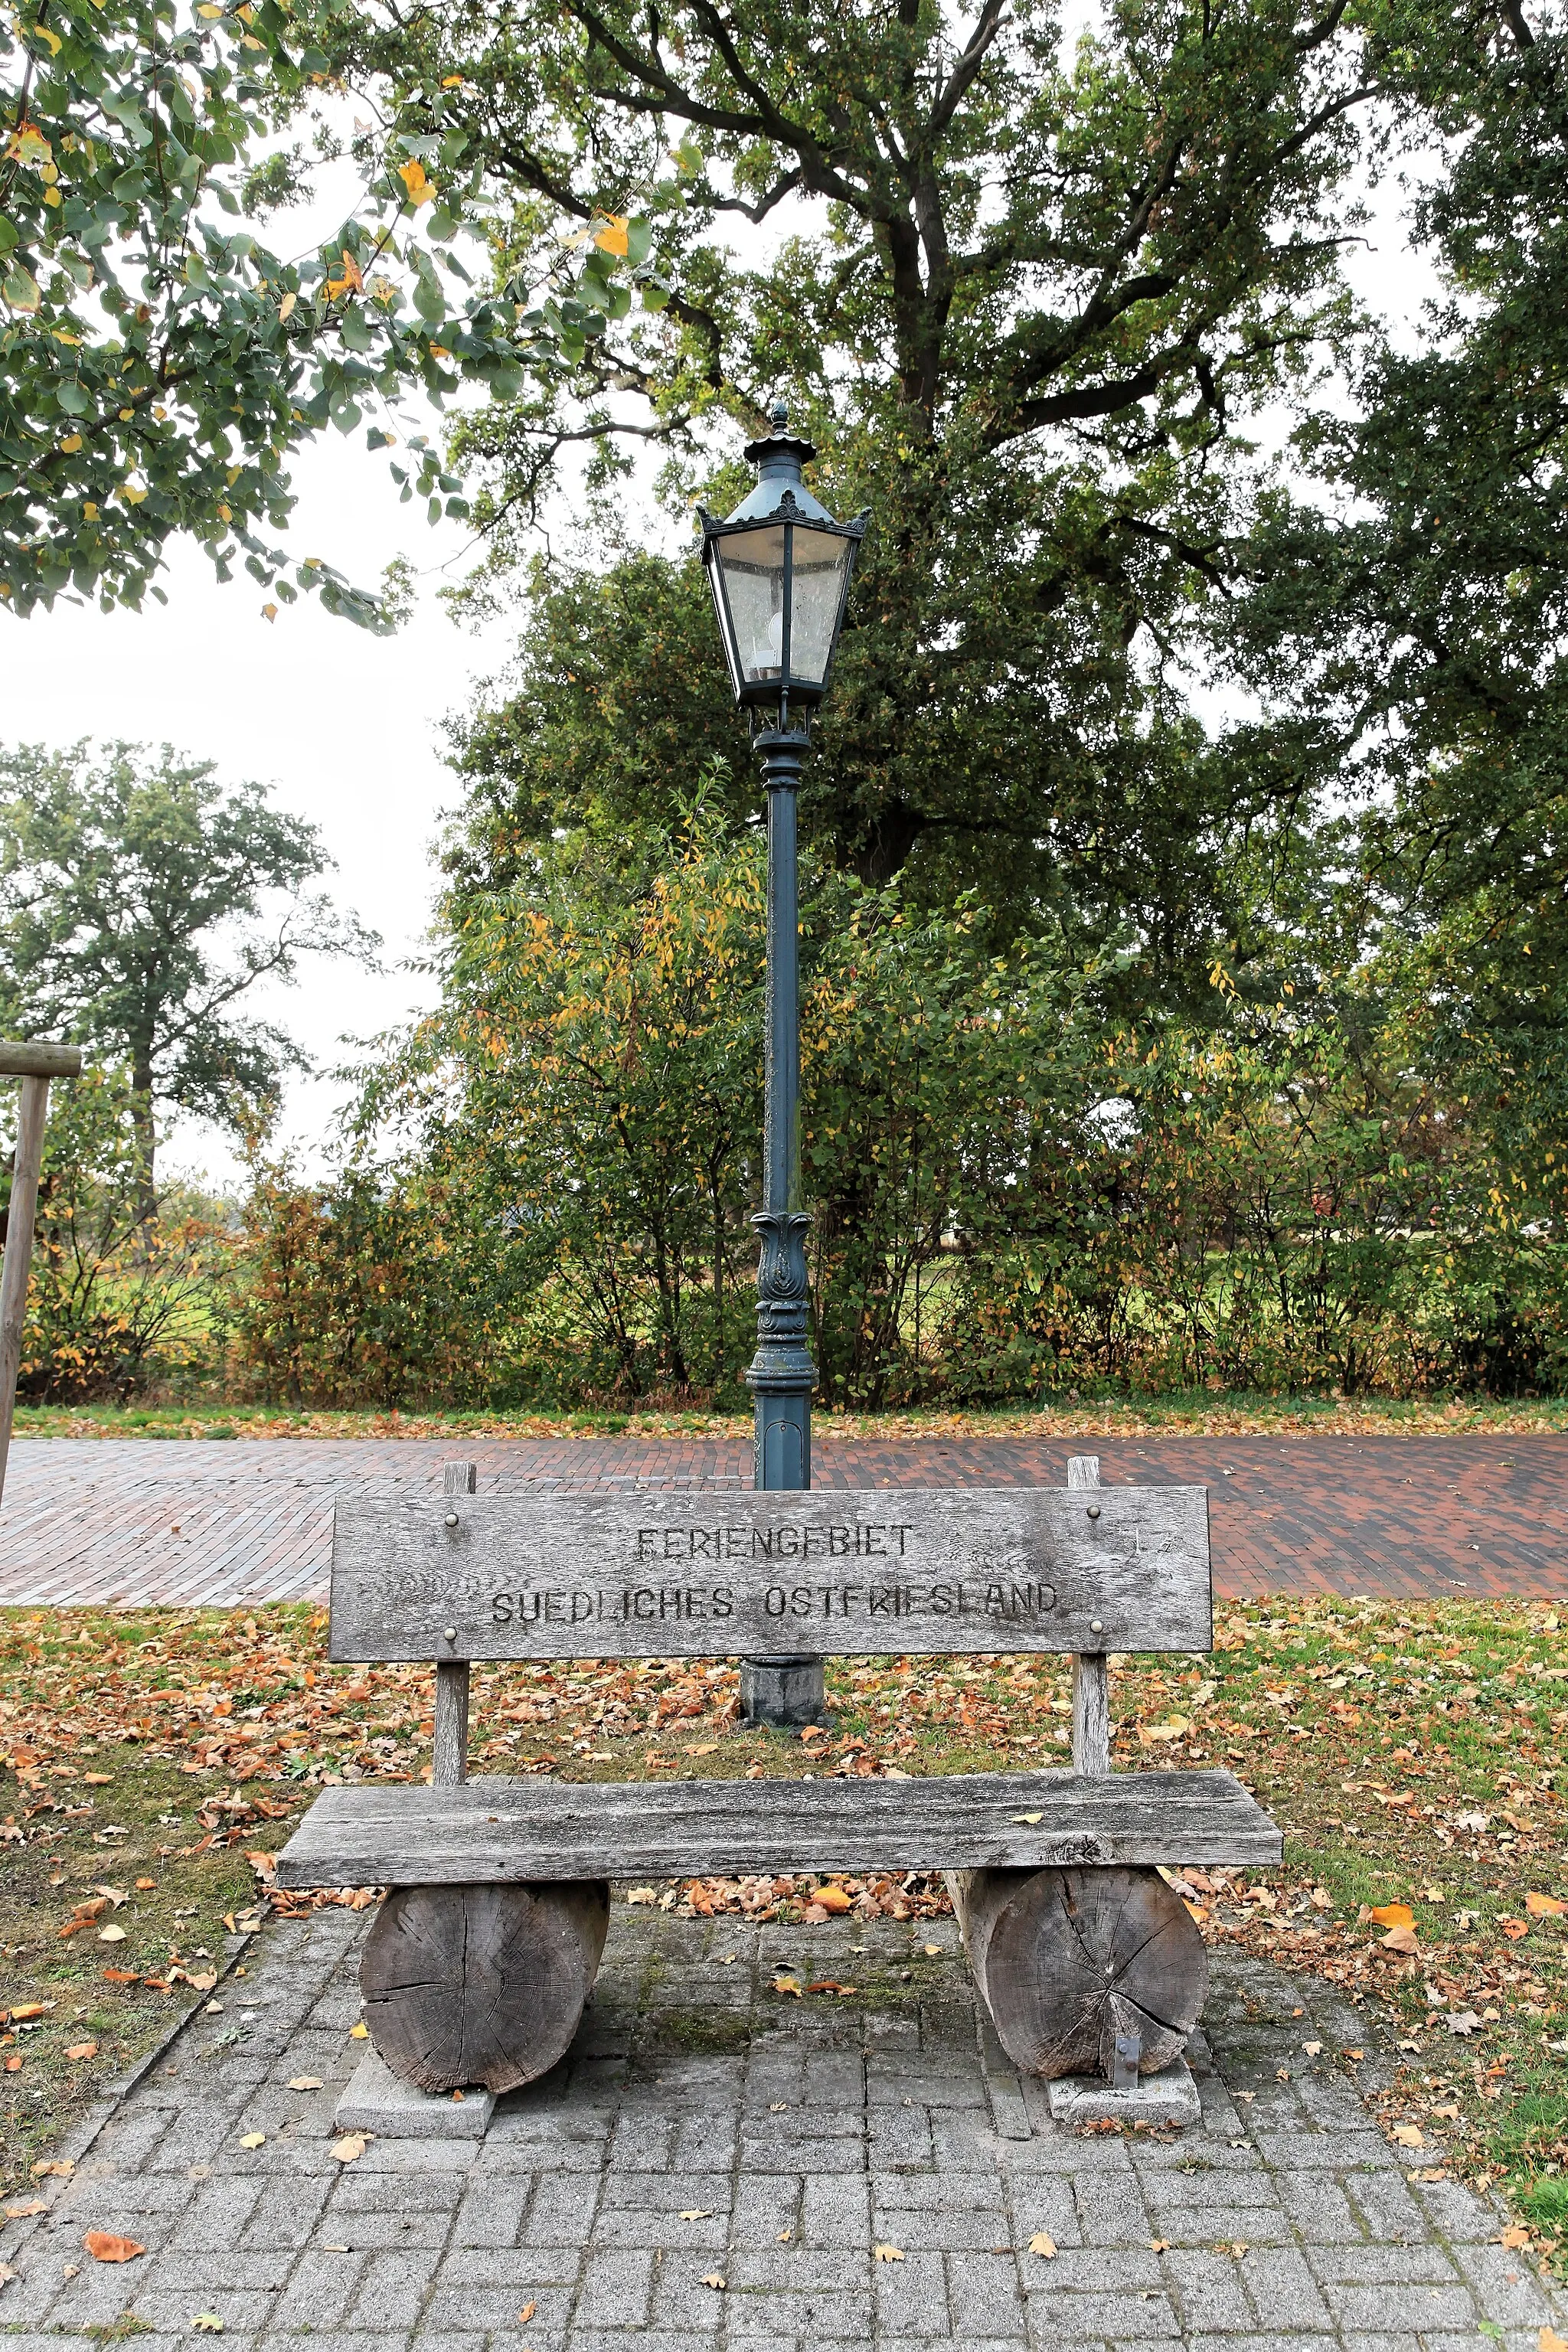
(887, 1570)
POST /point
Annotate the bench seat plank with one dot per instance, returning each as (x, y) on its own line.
(513, 1830)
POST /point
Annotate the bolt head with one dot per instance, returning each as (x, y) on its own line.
(451, 1518)
(1094, 1510)
(1096, 1625)
(448, 1633)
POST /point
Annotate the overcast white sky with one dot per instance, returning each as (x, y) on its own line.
(346, 727)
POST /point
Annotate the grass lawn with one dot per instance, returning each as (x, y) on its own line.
(154, 1759)
(1197, 1414)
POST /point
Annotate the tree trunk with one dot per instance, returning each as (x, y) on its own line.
(1067, 1960)
(481, 1984)
(145, 1133)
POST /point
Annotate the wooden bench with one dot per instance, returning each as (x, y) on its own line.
(477, 1967)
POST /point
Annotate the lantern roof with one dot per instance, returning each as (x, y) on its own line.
(779, 458)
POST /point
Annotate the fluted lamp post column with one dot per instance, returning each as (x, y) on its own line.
(779, 568)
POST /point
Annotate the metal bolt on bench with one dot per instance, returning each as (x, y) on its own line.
(478, 1967)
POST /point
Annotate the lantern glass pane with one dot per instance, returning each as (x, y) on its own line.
(753, 563)
(817, 574)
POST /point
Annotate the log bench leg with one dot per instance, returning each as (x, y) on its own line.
(1067, 1962)
(483, 1983)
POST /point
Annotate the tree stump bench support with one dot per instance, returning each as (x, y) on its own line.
(479, 1966)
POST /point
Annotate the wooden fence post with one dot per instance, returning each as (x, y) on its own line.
(35, 1064)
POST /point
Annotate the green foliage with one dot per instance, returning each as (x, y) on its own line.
(159, 359)
(118, 882)
(116, 1304)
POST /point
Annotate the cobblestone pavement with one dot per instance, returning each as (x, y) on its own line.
(130, 1520)
(706, 2129)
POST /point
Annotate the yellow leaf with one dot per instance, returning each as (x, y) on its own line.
(253, 2140)
(788, 1984)
(612, 234)
(71, 444)
(1394, 1915)
(889, 2253)
(207, 2322)
(421, 189)
(359, 2032)
(209, 9)
(285, 308)
(42, 33)
(452, 81)
(269, 613)
(832, 1898)
(1042, 2243)
(27, 144)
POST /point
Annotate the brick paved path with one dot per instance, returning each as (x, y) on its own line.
(704, 2126)
(128, 1520)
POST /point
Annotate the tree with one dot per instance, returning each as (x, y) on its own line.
(125, 890)
(159, 361)
(1026, 304)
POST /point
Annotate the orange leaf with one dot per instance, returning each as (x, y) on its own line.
(1394, 1915)
(105, 2247)
(832, 1898)
(612, 234)
(421, 191)
(120, 1976)
(13, 2065)
(1549, 2341)
(82, 2050)
(1514, 2239)
(1544, 1906)
(1514, 1929)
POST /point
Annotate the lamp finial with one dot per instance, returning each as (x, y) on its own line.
(778, 414)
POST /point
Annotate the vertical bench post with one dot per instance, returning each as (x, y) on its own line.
(1091, 1677)
(451, 1753)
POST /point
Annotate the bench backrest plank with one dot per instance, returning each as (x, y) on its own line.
(890, 1569)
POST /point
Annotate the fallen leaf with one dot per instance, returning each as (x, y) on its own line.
(1544, 1906)
(98, 1780)
(111, 1935)
(788, 1984)
(1393, 1915)
(1462, 2021)
(714, 2279)
(305, 2083)
(1313, 2049)
(13, 2065)
(641, 1895)
(1549, 2341)
(1409, 2136)
(26, 2008)
(831, 1984)
(144, 1885)
(1399, 1939)
(1514, 2239)
(82, 2050)
(359, 2032)
(62, 2166)
(7, 2274)
(349, 2149)
(20, 2212)
(1044, 2244)
(1030, 1818)
(1514, 1929)
(105, 2247)
(526, 2313)
(698, 2213)
(889, 2253)
(207, 2322)
(832, 1898)
(120, 1976)
(933, 1952)
(253, 2140)
(1159, 2245)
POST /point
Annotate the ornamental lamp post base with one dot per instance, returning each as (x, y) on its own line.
(783, 1694)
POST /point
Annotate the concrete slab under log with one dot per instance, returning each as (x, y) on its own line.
(1170, 2097)
(379, 2102)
